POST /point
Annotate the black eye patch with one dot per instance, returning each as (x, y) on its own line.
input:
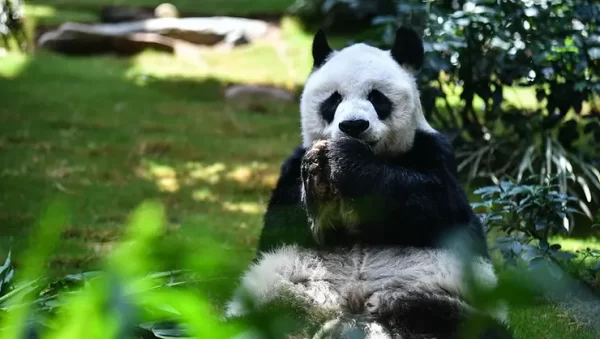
(329, 106)
(381, 103)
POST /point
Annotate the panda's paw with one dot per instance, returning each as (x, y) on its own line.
(347, 149)
(347, 158)
(316, 174)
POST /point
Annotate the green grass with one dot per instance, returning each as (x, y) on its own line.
(545, 322)
(90, 129)
(46, 14)
(109, 133)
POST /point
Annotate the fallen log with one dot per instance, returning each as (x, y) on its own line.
(160, 33)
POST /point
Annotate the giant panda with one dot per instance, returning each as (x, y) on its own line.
(371, 169)
(359, 228)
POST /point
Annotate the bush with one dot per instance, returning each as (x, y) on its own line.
(341, 15)
(524, 218)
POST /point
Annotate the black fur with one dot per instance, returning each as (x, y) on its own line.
(329, 106)
(408, 48)
(320, 49)
(382, 104)
(424, 316)
(412, 199)
(285, 221)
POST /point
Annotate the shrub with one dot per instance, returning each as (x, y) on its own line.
(341, 15)
(524, 218)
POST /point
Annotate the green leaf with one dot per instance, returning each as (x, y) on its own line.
(544, 244)
(564, 255)
(531, 254)
(518, 190)
(479, 204)
(6, 274)
(7, 263)
(536, 263)
(540, 226)
(487, 190)
(516, 247)
(555, 270)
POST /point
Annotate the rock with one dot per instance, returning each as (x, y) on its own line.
(166, 10)
(258, 98)
(157, 32)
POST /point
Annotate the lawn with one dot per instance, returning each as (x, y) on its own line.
(109, 133)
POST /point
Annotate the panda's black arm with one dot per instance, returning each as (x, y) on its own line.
(418, 191)
(285, 221)
(388, 188)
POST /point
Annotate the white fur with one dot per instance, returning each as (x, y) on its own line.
(279, 272)
(369, 330)
(354, 71)
(374, 277)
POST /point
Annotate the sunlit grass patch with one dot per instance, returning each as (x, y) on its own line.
(573, 244)
(13, 64)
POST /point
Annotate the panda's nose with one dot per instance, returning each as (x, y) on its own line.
(354, 127)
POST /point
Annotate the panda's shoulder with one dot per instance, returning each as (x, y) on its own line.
(431, 140)
(430, 148)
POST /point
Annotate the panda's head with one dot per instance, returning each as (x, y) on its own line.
(365, 92)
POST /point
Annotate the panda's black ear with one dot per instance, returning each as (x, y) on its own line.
(408, 48)
(320, 49)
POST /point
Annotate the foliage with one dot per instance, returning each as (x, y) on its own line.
(482, 52)
(11, 22)
(526, 217)
(341, 15)
(126, 299)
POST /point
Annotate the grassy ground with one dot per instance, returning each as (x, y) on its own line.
(109, 133)
(99, 131)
